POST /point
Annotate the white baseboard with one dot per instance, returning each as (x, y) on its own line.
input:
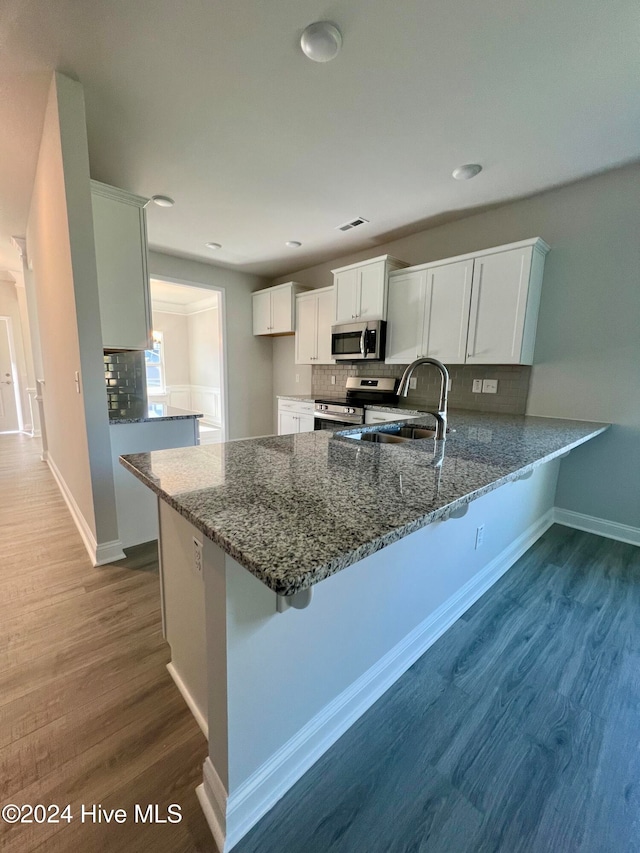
(100, 555)
(108, 552)
(213, 799)
(201, 720)
(600, 526)
(261, 791)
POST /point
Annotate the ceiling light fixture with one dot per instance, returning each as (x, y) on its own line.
(213, 245)
(466, 172)
(293, 244)
(321, 41)
(162, 200)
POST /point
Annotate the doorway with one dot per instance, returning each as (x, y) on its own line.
(10, 407)
(185, 368)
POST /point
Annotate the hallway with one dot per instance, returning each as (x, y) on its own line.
(88, 713)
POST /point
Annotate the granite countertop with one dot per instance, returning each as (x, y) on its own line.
(149, 412)
(295, 509)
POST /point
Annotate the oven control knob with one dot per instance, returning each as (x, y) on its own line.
(351, 411)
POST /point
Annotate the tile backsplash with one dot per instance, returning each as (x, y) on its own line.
(511, 398)
(125, 378)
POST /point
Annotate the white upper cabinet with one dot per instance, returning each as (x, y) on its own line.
(448, 294)
(474, 309)
(504, 305)
(120, 234)
(361, 289)
(274, 309)
(314, 316)
(405, 316)
(428, 313)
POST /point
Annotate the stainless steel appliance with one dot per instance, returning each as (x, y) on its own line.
(331, 412)
(359, 341)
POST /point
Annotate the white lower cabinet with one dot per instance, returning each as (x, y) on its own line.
(295, 416)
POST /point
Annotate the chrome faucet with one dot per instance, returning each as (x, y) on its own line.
(441, 414)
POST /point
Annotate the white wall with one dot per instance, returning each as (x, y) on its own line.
(248, 358)
(588, 343)
(60, 247)
(204, 348)
(176, 346)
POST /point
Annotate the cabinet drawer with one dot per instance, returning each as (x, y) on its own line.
(297, 406)
(371, 417)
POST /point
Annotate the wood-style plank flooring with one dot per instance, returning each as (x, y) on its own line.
(88, 712)
(517, 732)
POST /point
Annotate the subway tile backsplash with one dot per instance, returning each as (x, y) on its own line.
(511, 398)
(125, 378)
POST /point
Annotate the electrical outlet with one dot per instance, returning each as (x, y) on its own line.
(297, 377)
(413, 383)
(197, 556)
(333, 380)
(477, 386)
(489, 386)
(449, 385)
(479, 536)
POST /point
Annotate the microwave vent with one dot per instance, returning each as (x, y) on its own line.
(353, 223)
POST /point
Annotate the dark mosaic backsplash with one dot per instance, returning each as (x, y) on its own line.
(125, 378)
(513, 384)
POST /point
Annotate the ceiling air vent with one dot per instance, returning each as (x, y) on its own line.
(353, 223)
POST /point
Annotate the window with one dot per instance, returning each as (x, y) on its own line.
(154, 364)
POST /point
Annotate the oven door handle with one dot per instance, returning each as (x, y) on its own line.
(363, 343)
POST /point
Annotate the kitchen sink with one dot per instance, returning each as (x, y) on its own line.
(394, 435)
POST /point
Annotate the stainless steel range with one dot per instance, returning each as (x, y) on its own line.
(348, 410)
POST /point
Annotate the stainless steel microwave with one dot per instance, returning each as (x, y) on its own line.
(358, 341)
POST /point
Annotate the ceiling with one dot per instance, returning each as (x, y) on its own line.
(215, 105)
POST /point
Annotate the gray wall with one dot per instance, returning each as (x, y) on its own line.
(587, 359)
(249, 358)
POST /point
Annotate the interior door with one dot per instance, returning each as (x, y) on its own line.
(8, 408)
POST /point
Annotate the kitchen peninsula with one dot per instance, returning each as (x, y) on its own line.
(396, 542)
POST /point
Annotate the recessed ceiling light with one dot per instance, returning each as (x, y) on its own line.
(213, 245)
(162, 200)
(321, 41)
(293, 244)
(464, 173)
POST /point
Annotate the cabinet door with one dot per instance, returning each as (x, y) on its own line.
(305, 423)
(498, 307)
(405, 317)
(287, 423)
(261, 313)
(346, 284)
(281, 311)
(371, 292)
(306, 336)
(123, 282)
(446, 318)
(325, 313)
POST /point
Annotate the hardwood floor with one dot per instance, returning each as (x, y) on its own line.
(88, 712)
(517, 732)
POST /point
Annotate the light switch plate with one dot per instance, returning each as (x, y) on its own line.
(413, 383)
(489, 386)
